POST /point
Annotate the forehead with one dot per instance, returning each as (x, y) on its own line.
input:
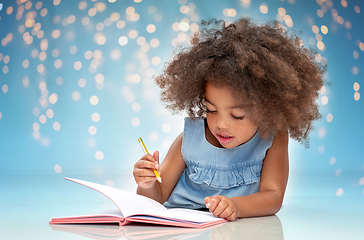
(221, 96)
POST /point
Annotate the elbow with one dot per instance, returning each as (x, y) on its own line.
(273, 209)
(276, 208)
(277, 203)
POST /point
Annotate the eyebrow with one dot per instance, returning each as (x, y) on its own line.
(241, 106)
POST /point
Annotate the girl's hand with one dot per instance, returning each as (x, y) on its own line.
(143, 170)
(221, 207)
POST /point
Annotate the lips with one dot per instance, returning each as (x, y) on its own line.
(223, 138)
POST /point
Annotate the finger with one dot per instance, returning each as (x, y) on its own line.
(144, 176)
(144, 164)
(156, 157)
(232, 216)
(207, 201)
(145, 182)
(220, 207)
(144, 172)
(149, 157)
(145, 179)
(214, 203)
(227, 212)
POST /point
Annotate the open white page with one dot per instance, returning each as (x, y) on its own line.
(128, 203)
(182, 215)
(190, 215)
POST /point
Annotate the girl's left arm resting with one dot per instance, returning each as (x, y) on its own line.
(273, 182)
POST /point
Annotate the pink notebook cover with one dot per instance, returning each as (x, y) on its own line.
(134, 231)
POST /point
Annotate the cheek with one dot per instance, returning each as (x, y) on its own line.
(210, 120)
(246, 128)
(253, 127)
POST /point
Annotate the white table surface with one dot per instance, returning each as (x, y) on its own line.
(29, 202)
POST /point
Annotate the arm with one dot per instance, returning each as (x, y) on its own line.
(268, 200)
(170, 171)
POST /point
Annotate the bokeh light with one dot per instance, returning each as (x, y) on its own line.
(99, 155)
(332, 160)
(339, 192)
(56, 126)
(123, 40)
(57, 168)
(92, 130)
(53, 98)
(263, 8)
(94, 100)
(135, 122)
(95, 117)
(49, 113)
(329, 117)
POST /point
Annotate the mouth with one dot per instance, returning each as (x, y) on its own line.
(223, 138)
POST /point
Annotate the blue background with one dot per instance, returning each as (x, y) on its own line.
(129, 105)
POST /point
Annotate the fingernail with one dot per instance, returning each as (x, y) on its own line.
(207, 205)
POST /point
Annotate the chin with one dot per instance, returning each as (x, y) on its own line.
(228, 146)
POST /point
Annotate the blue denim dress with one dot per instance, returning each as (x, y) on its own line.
(214, 171)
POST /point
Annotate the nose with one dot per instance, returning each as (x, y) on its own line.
(221, 122)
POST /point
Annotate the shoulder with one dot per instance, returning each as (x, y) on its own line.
(174, 153)
(179, 139)
(277, 154)
(280, 140)
(177, 143)
(172, 167)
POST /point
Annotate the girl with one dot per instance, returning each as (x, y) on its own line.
(247, 88)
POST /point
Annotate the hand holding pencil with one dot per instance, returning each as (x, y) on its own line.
(145, 169)
(146, 152)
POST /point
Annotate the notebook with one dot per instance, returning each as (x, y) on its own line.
(137, 208)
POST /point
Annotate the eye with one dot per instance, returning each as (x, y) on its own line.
(238, 118)
(210, 111)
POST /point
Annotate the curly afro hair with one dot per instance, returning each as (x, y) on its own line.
(268, 69)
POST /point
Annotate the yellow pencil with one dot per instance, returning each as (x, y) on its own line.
(140, 140)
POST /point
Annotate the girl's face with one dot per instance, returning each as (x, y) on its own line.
(227, 120)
